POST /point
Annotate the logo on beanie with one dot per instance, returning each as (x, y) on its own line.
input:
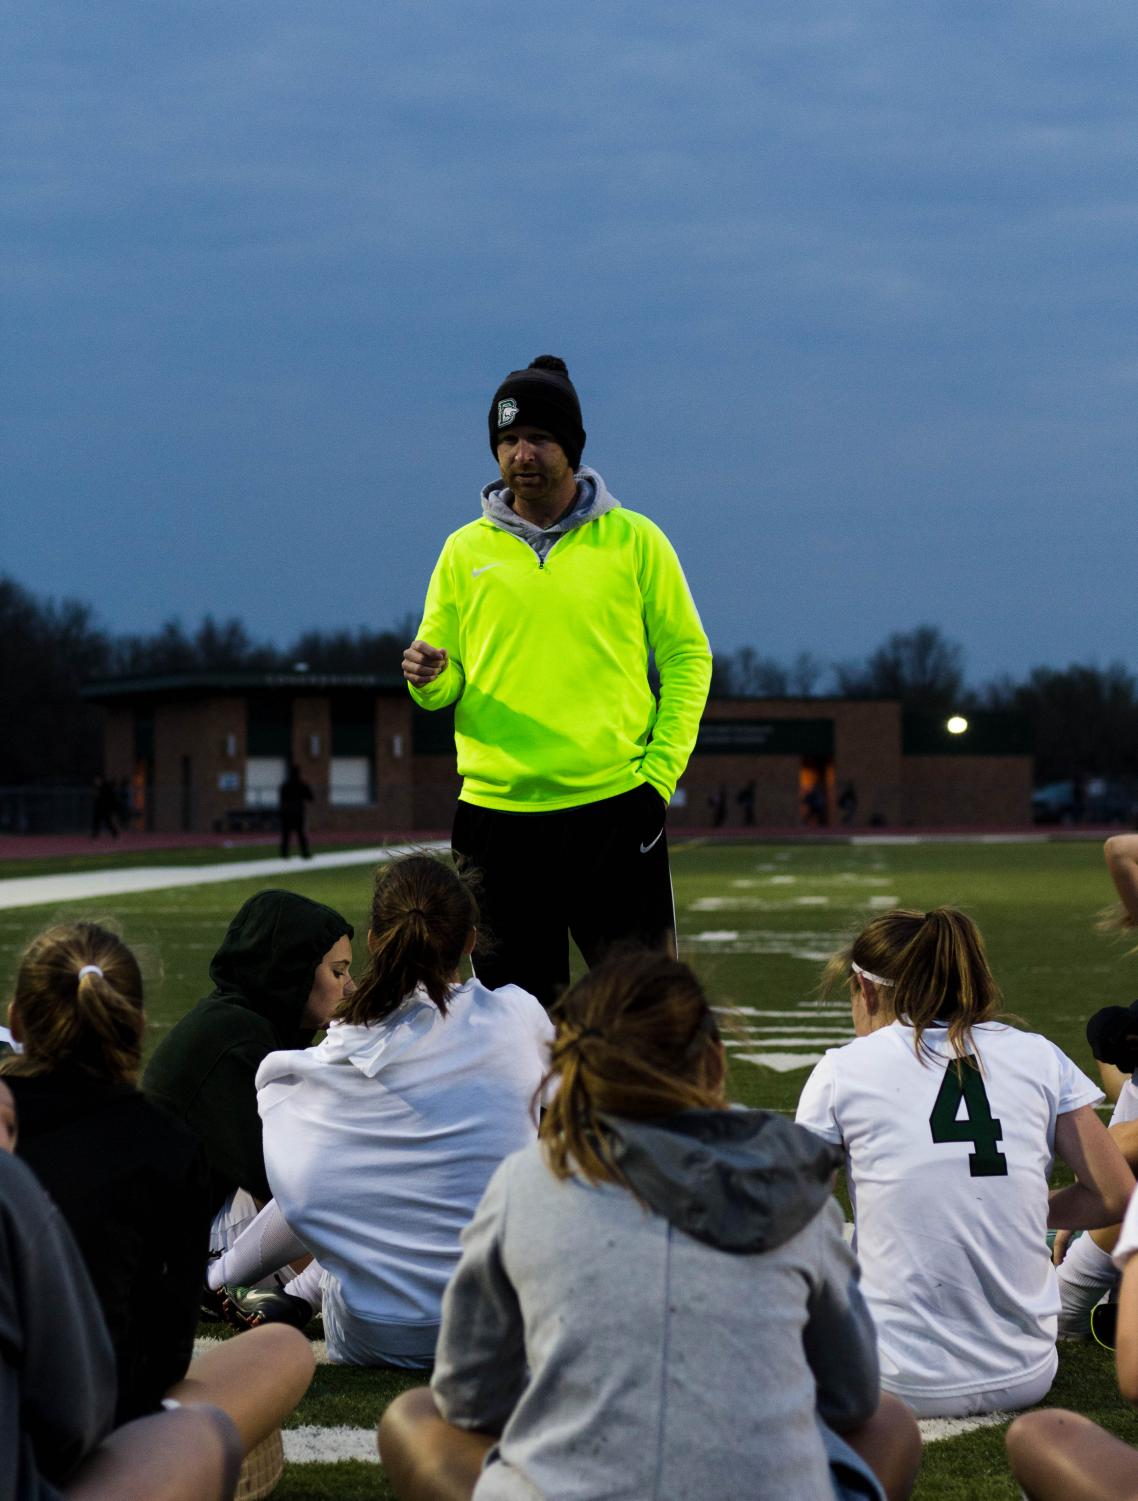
(507, 411)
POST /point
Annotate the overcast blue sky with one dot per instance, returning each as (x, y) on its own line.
(848, 291)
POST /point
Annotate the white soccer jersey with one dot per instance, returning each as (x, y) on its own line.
(379, 1142)
(1126, 1106)
(1127, 1242)
(950, 1189)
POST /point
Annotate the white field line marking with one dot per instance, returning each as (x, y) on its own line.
(870, 839)
(834, 935)
(935, 1429)
(839, 1025)
(35, 891)
(842, 901)
(783, 1042)
(832, 878)
(814, 1036)
(309, 1445)
(808, 1008)
(312, 1445)
(759, 943)
(315, 1446)
(781, 1063)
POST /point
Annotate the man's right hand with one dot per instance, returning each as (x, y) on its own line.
(422, 663)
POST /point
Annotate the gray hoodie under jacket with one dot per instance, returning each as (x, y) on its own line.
(57, 1368)
(684, 1349)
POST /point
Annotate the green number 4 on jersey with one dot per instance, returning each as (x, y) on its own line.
(964, 1081)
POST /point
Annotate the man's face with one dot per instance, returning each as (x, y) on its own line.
(533, 463)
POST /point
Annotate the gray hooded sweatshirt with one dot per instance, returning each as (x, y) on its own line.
(592, 500)
(57, 1368)
(684, 1346)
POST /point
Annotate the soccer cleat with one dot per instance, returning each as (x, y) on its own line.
(211, 1309)
(248, 1307)
(1104, 1320)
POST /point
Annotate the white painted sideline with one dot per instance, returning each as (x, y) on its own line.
(308, 1445)
(935, 1429)
(78, 886)
(1009, 838)
(312, 1445)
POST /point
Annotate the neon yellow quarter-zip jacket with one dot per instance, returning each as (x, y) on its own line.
(547, 661)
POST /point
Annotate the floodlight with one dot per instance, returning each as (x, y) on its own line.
(957, 725)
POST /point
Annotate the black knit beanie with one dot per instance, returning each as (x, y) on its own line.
(540, 396)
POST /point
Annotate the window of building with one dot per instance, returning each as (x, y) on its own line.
(263, 778)
(351, 782)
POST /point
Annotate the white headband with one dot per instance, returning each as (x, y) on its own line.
(91, 969)
(868, 974)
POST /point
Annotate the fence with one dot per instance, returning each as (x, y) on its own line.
(46, 810)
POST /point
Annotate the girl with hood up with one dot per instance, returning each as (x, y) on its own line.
(281, 970)
(654, 1299)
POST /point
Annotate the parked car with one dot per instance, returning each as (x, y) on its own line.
(1101, 802)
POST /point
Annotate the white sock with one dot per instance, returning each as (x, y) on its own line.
(1086, 1274)
(263, 1247)
(306, 1285)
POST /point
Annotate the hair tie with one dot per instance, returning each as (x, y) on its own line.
(867, 974)
(583, 1036)
(91, 969)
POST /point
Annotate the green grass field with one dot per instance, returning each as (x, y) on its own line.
(755, 921)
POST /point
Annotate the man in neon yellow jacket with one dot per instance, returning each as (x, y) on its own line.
(539, 621)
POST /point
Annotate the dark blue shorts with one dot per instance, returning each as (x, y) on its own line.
(851, 1477)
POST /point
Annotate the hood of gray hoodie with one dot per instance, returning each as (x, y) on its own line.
(741, 1180)
(592, 500)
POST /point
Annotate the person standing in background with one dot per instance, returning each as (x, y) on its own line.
(294, 794)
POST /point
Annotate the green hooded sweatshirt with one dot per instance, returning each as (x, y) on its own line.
(204, 1070)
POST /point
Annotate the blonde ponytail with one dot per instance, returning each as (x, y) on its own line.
(633, 1040)
(78, 1005)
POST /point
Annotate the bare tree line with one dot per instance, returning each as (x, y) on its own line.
(1084, 718)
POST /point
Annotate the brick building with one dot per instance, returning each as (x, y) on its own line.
(207, 751)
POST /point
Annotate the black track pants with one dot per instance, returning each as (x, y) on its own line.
(598, 872)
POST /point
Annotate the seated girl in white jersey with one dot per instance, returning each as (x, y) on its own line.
(1086, 1270)
(380, 1141)
(655, 1299)
(950, 1120)
(1063, 1456)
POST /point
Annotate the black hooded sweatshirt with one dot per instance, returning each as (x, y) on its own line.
(132, 1186)
(204, 1069)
